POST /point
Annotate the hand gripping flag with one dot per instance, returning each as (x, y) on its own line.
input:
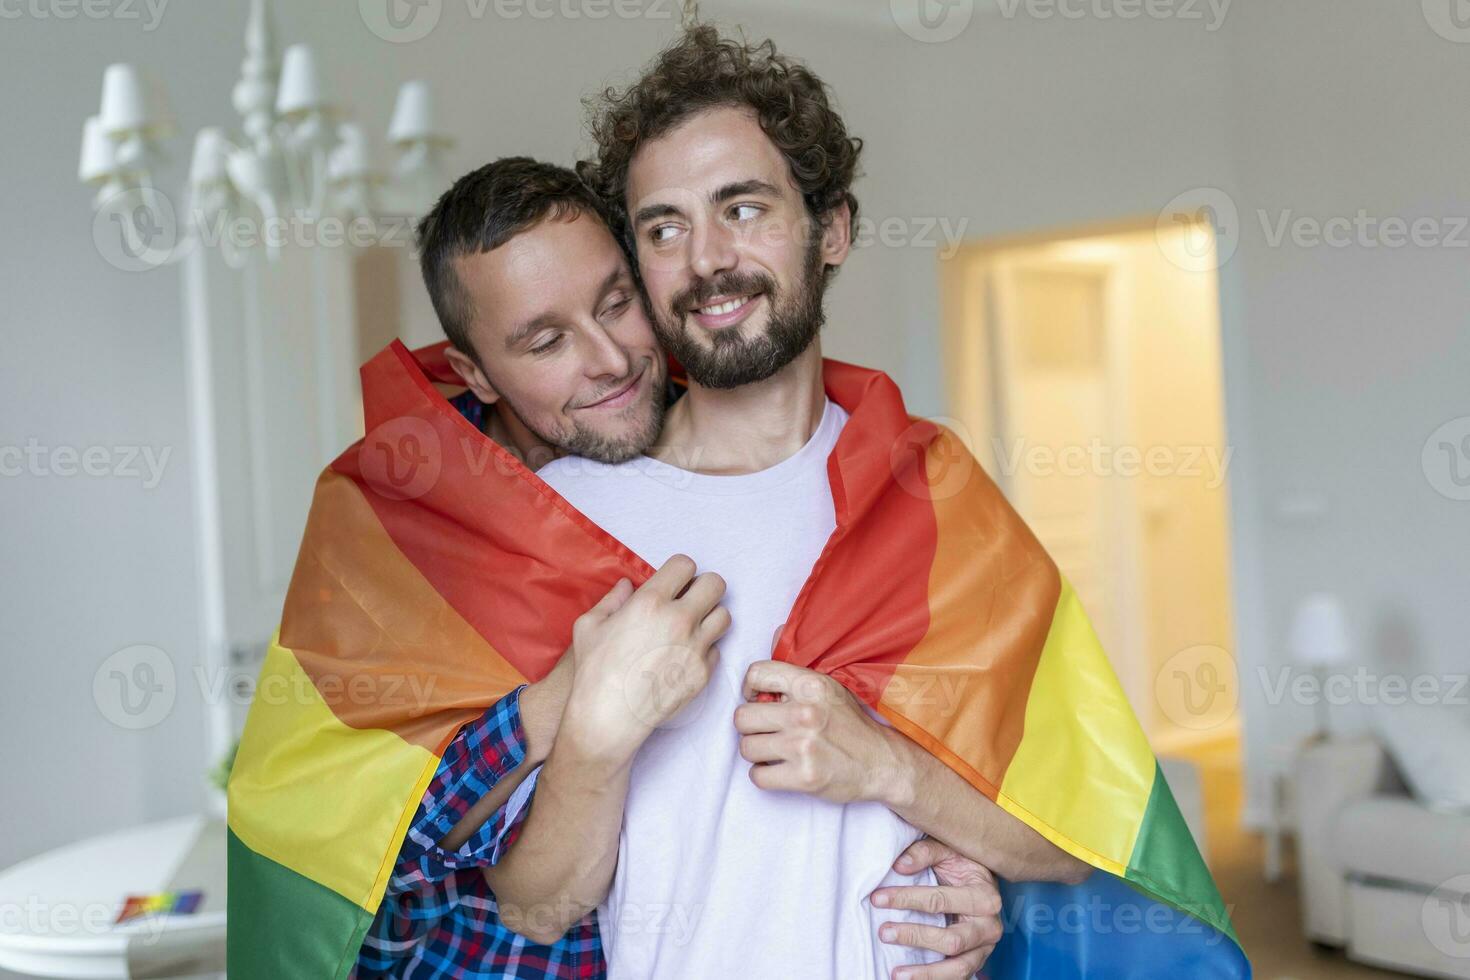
(436, 573)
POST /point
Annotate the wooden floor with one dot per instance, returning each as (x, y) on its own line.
(1267, 916)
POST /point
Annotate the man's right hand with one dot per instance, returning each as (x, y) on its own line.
(642, 655)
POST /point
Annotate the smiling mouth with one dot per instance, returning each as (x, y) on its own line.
(726, 310)
(622, 396)
(728, 306)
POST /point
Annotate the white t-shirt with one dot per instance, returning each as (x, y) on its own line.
(717, 878)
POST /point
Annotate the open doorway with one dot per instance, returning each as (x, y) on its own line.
(1086, 367)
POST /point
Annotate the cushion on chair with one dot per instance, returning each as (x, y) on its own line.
(1428, 743)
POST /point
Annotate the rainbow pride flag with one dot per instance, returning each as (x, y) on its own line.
(436, 573)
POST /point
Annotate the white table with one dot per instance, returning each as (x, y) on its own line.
(57, 910)
(1280, 803)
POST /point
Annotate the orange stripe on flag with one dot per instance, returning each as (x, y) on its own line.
(383, 647)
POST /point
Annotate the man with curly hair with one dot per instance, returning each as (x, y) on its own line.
(546, 330)
(740, 838)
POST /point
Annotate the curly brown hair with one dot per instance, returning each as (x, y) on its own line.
(702, 71)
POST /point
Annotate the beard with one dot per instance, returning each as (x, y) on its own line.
(601, 447)
(726, 359)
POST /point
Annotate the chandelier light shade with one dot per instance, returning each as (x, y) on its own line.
(133, 104)
(301, 89)
(413, 117)
(98, 160)
(124, 101)
(288, 159)
(209, 165)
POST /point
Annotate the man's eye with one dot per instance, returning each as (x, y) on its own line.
(547, 346)
(616, 309)
(744, 212)
(662, 233)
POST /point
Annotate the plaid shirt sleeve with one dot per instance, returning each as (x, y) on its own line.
(426, 885)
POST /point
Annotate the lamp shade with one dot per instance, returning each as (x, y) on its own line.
(301, 86)
(98, 161)
(211, 151)
(413, 116)
(1319, 631)
(125, 102)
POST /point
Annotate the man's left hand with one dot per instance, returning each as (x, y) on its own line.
(966, 895)
(816, 739)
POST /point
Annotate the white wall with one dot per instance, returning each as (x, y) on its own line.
(1340, 362)
(93, 356)
(1346, 360)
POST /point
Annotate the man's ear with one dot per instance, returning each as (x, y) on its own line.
(469, 372)
(837, 235)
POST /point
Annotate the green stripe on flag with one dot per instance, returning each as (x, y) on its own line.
(1167, 862)
(284, 925)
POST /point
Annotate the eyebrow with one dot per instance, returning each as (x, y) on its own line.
(718, 196)
(540, 322)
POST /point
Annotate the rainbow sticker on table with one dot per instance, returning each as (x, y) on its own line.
(163, 903)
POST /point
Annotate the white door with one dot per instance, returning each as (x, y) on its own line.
(1057, 370)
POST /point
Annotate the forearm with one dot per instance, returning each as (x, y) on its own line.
(938, 801)
(541, 706)
(562, 864)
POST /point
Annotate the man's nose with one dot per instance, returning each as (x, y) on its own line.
(713, 250)
(605, 356)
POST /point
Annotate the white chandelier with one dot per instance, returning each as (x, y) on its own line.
(299, 162)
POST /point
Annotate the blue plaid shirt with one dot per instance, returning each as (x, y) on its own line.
(438, 918)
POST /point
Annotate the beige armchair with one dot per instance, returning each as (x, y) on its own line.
(1375, 864)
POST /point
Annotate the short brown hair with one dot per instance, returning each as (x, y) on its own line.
(702, 71)
(483, 210)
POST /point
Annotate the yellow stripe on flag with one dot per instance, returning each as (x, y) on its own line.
(1083, 766)
(319, 797)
